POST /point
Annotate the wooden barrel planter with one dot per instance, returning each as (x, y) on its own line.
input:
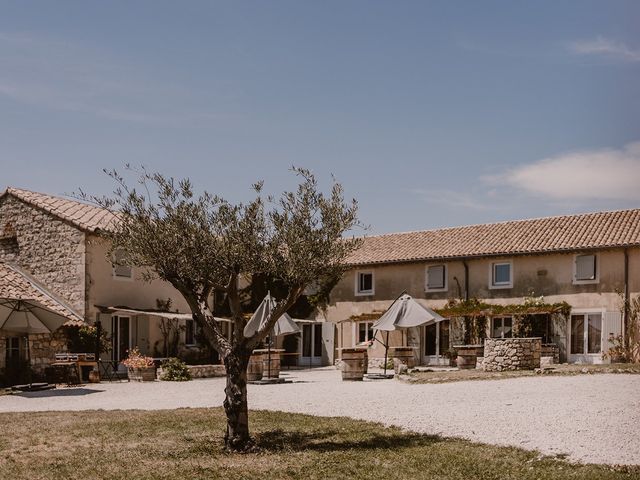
(467, 355)
(270, 362)
(353, 364)
(403, 356)
(254, 369)
(142, 374)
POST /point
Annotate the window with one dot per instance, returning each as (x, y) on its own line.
(365, 331)
(501, 275)
(584, 269)
(436, 338)
(189, 333)
(436, 278)
(586, 333)
(501, 327)
(14, 350)
(119, 269)
(364, 283)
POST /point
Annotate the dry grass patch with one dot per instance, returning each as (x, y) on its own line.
(441, 376)
(187, 444)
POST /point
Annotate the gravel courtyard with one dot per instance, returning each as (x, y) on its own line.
(590, 418)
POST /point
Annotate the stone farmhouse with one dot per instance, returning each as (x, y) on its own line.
(56, 247)
(54, 250)
(581, 266)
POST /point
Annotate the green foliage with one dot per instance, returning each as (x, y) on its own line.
(83, 339)
(476, 308)
(175, 370)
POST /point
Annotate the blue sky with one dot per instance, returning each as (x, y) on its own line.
(430, 113)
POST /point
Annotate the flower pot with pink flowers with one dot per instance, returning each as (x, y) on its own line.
(140, 368)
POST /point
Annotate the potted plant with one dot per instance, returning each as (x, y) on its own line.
(452, 355)
(139, 367)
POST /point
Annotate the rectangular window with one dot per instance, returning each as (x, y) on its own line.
(585, 268)
(436, 277)
(364, 283)
(501, 327)
(594, 332)
(120, 269)
(189, 333)
(365, 331)
(14, 350)
(443, 340)
(586, 333)
(501, 275)
(577, 333)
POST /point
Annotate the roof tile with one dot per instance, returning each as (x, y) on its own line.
(84, 216)
(540, 235)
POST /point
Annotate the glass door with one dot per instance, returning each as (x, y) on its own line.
(436, 343)
(120, 338)
(311, 344)
(585, 342)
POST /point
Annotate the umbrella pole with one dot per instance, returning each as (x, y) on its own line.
(269, 357)
(29, 363)
(386, 349)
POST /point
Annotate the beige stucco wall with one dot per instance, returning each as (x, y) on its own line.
(106, 290)
(548, 275)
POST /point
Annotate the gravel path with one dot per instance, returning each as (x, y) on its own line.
(591, 418)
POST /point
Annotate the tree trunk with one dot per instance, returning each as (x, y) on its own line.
(235, 404)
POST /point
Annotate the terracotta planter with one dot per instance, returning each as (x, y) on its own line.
(142, 374)
(94, 376)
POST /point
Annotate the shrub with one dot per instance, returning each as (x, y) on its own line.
(175, 370)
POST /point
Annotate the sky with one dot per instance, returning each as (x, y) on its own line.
(430, 114)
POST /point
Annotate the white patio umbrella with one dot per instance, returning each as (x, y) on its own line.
(404, 312)
(284, 326)
(28, 317)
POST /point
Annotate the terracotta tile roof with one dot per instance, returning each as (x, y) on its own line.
(540, 235)
(16, 284)
(84, 216)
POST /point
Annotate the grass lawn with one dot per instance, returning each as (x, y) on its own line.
(441, 376)
(187, 443)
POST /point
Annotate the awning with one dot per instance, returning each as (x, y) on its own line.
(155, 313)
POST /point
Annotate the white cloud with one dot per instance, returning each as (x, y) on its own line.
(605, 47)
(603, 175)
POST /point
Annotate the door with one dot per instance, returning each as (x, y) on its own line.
(311, 345)
(120, 337)
(436, 343)
(585, 338)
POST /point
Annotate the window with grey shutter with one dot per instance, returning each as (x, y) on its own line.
(119, 268)
(586, 267)
(435, 277)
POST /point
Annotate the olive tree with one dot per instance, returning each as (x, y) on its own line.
(203, 243)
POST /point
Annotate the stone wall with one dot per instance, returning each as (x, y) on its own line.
(511, 354)
(49, 249)
(42, 349)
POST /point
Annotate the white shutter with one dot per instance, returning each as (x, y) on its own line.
(105, 321)
(611, 325)
(328, 336)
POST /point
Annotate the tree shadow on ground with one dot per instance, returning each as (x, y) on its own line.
(323, 440)
(70, 392)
